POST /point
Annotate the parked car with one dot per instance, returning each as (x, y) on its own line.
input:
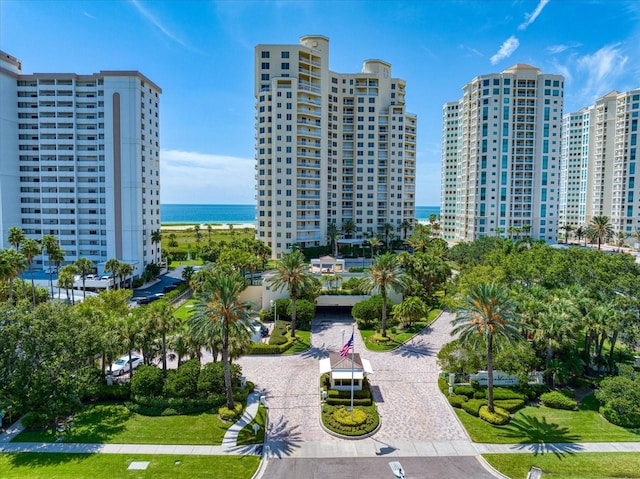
(124, 365)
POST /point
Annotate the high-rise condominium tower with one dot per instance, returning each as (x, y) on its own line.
(599, 157)
(330, 147)
(501, 156)
(79, 159)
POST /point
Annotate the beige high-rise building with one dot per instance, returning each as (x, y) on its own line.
(604, 137)
(330, 147)
(501, 156)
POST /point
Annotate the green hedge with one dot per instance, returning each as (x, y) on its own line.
(464, 391)
(557, 400)
(156, 406)
(362, 394)
(347, 401)
(472, 406)
(511, 405)
(498, 417)
(506, 393)
(456, 400)
(443, 385)
(261, 348)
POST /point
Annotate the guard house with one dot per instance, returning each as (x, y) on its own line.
(341, 371)
(327, 265)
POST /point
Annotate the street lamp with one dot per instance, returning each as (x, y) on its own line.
(274, 305)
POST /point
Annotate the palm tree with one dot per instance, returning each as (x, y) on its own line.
(568, 228)
(292, 273)
(499, 231)
(12, 263)
(56, 256)
(112, 266)
(333, 235)
(487, 312)
(209, 229)
(220, 314)
(404, 227)
(196, 229)
(30, 249)
(85, 266)
(49, 243)
(600, 229)
(374, 242)
(348, 227)
(156, 237)
(124, 270)
(580, 233)
(387, 228)
(16, 237)
(385, 274)
(160, 315)
(128, 328)
(66, 280)
(173, 240)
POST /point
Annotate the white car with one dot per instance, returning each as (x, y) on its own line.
(123, 365)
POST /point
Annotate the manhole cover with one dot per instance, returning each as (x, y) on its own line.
(138, 465)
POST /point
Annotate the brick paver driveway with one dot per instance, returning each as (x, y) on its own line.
(404, 385)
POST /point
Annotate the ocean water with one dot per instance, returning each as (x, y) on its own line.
(236, 214)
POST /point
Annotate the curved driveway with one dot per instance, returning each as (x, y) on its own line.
(404, 384)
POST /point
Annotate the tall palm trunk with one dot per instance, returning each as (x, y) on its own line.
(33, 285)
(383, 322)
(490, 373)
(227, 370)
(294, 299)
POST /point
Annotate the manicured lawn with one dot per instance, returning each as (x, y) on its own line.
(247, 436)
(187, 238)
(302, 344)
(114, 466)
(539, 424)
(115, 424)
(400, 337)
(581, 465)
(185, 310)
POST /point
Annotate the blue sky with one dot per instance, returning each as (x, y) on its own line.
(201, 54)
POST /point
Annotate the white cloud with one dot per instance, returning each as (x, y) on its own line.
(88, 15)
(557, 49)
(509, 46)
(601, 70)
(192, 177)
(531, 17)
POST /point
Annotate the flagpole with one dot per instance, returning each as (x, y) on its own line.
(353, 352)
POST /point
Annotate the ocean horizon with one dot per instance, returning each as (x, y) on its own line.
(172, 213)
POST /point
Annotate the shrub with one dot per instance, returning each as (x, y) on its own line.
(464, 391)
(557, 400)
(228, 415)
(329, 420)
(620, 398)
(169, 412)
(443, 385)
(511, 405)
(147, 381)
(621, 412)
(479, 394)
(305, 312)
(278, 334)
(183, 382)
(498, 417)
(211, 378)
(456, 400)
(155, 406)
(472, 406)
(532, 391)
(506, 393)
(379, 338)
(261, 348)
(35, 420)
(344, 416)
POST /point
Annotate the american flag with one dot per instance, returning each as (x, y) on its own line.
(344, 352)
